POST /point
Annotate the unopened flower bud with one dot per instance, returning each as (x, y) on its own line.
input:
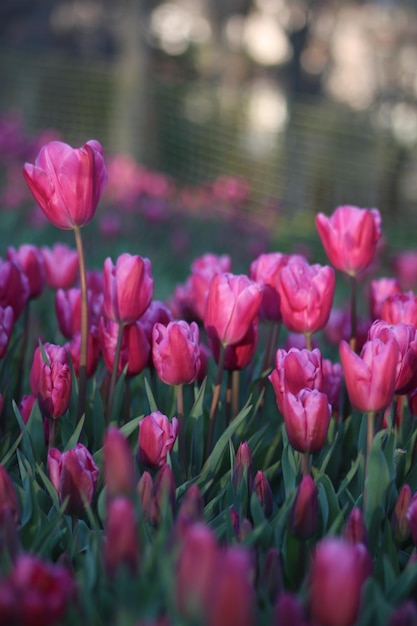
(399, 521)
(304, 511)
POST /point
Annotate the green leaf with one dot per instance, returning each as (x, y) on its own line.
(73, 440)
(376, 487)
(289, 466)
(27, 444)
(152, 403)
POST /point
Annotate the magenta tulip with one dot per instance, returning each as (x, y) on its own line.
(61, 266)
(67, 183)
(122, 540)
(337, 574)
(157, 436)
(135, 349)
(14, 287)
(6, 328)
(127, 287)
(296, 370)
(306, 293)
(349, 237)
(379, 291)
(74, 475)
(307, 417)
(233, 303)
(400, 307)
(239, 355)
(119, 468)
(371, 376)
(176, 352)
(304, 516)
(54, 389)
(30, 259)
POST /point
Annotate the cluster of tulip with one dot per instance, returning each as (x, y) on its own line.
(118, 501)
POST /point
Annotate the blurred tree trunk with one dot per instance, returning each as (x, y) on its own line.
(132, 129)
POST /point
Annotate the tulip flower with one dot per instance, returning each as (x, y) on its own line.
(337, 574)
(263, 490)
(332, 382)
(54, 389)
(14, 287)
(30, 259)
(122, 541)
(406, 337)
(399, 520)
(400, 307)
(355, 529)
(191, 509)
(6, 328)
(61, 266)
(379, 291)
(119, 469)
(233, 303)
(93, 354)
(306, 293)
(243, 461)
(8, 496)
(239, 355)
(304, 515)
(67, 183)
(36, 592)
(68, 311)
(157, 436)
(405, 268)
(145, 491)
(349, 237)
(307, 417)
(74, 475)
(371, 376)
(176, 352)
(127, 287)
(202, 271)
(134, 351)
(164, 492)
(195, 570)
(296, 370)
(288, 610)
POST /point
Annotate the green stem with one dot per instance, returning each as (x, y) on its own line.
(235, 393)
(114, 373)
(52, 434)
(309, 344)
(215, 399)
(82, 378)
(181, 427)
(229, 398)
(269, 360)
(305, 463)
(353, 321)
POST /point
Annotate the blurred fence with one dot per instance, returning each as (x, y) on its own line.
(323, 156)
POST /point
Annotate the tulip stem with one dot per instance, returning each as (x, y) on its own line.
(115, 369)
(353, 289)
(229, 393)
(181, 427)
(235, 393)
(215, 399)
(309, 344)
(269, 360)
(82, 377)
(305, 463)
(52, 434)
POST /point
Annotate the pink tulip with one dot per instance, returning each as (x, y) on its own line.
(176, 352)
(306, 293)
(405, 268)
(265, 270)
(400, 307)
(304, 515)
(74, 475)
(399, 520)
(122, 539)
(307, 417)
(355, 529)
(54, 389)
(8, 495)
(371, 376)
(52, 353)
(157, 436)
(14, 287)
(349, 237)
(127, 287)
(380, 290)
(73, 348)
(406, 337)
(135, 347)
(337, 574)
(67, 183)
(30, 259)
(61, 266)
(296, 370)
(412, 518)
(332, 382)
(202, 271)
(233, 303)
(263, 490)
(6, 328)
(119, 468)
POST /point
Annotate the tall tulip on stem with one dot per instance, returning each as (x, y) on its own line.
(67, 184)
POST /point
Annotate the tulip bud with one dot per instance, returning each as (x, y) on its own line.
(156, 438)
(74, 475)
(304, 512)
(337, 573)
(263, 490)
(192, 505)
(6, 328)
(14, 287)
(399, 521)
(195, 571)
(145, 490)
(8, 496)
(54, 389)
(119, 469)
(380, 290)
(93, 353)
(164, 492)
(243, 461)
(122, 543)
(355, 528)
(288, 611)
(67, 183)
(30, 259)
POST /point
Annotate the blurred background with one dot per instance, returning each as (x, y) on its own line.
(290, 106)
